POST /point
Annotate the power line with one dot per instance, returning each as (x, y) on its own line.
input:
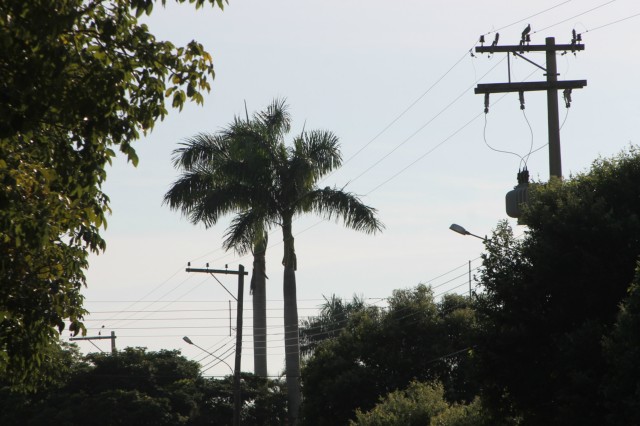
(411, 105)
(528, 17)
(453, 102)
(575, 16)
(392, 177)
(612, 23)
(407, 108)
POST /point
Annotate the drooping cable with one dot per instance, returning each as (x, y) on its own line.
(525, 160)
(484, 137)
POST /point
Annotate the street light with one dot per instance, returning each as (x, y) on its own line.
(189, 341)
(460, 230)
(237, 403)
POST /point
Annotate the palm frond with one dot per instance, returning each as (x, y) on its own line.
(333, 203)
(276, 119)
(321, 148)
(200, 149)
(201, 199)
(186, 190)
(246, 231)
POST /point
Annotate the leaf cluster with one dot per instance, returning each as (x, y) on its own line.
(78, 79)
(135, 386)
(552, 298)
(422, 404)
(379, 351)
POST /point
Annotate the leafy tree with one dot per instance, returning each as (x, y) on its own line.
(414, 406)
(273, 184)
(78, 79)
(380, 351)
(146, 388)
(622, 352)
(334, 316)
(551, 298)
(422, 404)
(472, 414)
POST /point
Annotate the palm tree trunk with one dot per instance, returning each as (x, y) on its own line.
(258, 289)
(292, 344)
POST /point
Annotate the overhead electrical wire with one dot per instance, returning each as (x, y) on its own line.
(416, 101)
(575, 16)
(528, 17)
(407, 109)
(412, 135)
(168, 303)
(376, 137)
(525, 160)
(484, 137)
(411, 105)
(158, 287)
(432, 280)
(442, 77)
(558, 23)
(613, 23)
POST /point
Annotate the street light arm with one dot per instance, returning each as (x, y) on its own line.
(462, 231)
(186, 339)
(478, 236)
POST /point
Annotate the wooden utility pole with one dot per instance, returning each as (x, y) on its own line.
(112, 337)
(237, 402)
(551, 85)
(470, 291)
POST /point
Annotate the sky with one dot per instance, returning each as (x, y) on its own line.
(394, 80)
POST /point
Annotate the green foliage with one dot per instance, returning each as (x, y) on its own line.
(622, 351)
(414, 406)
(334, 316)
(77, 80)
(146, 388)
(248, 170)
(422, 404)
(379, 351)
(551, 298)
(471, 414)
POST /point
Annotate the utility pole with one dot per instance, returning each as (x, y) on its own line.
(551, 85)
(470, 291)
(112, 337)
(237, 403)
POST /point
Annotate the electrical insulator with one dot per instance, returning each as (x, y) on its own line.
(567, 97)
(519, 196)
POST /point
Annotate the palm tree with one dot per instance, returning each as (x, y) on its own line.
(267, 184)
(217, 179)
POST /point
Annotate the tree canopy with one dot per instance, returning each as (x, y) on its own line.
(78, 80)
(422, 404)
(379, 351)
(139, 387)
(551, 298)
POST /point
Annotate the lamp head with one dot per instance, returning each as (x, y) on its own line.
(186, 339)
(459, 229)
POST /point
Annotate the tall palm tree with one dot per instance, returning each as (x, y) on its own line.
(218, 178)
(270, 184)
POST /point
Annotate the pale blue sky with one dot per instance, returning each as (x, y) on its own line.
(353, 67)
